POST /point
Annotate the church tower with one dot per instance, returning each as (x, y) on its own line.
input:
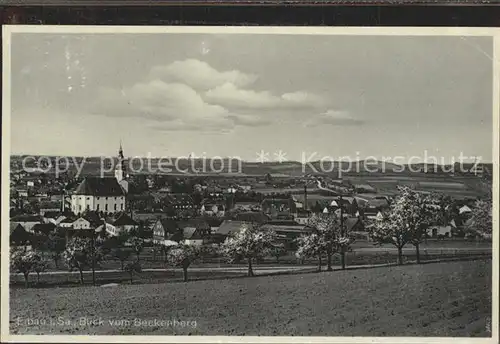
(121, 170)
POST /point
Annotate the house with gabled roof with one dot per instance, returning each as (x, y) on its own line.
(44, 228)
(230, 226)
(118, 223)
(18, 235)
(163, 228)
(213, 208)
(98, 194)
(27, 221)
(252, 216)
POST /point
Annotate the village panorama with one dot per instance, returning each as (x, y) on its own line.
(280, 226)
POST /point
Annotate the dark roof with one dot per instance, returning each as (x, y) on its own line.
(96, 186)
(271, 201)
(50, 204)
(123, 219)
(351, 222)
(149, 216)
(52, 214)
(92, 217)
(214, 221)
(44, 227)
(377, 203)
(229, 226)
(14, 227)
(195, 223)
(69, 219)
(252, 216)
(283, 223)
(188, 233)
(179, 198)
(169, 225)
(216, 238)
(178, 236)
(26, 218)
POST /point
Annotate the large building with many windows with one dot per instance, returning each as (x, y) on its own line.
(102, 194)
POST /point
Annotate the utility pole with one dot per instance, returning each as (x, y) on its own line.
(93, 255)
(342, 231)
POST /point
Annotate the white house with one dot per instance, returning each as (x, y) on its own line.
(102, 193)
(78, 223)
(81, 223)
(437, 231)
(464, 210)
(192, 236)
(212, 209)
(98, 194)
(118, 224)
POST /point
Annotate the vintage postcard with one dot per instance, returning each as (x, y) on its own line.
(250, 184)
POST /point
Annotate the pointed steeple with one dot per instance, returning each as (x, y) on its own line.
(120, 173)
(120, 151)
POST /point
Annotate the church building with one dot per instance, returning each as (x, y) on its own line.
(106, 194)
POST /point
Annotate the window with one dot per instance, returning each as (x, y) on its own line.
(97, 208)
(106, 207)
(115, 206)
(88, 198)
(122, 206)
(98, 197)
(79, 207)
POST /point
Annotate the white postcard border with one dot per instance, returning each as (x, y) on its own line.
(8, 30)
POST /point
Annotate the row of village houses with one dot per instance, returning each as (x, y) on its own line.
(288, 215)
(204, 229)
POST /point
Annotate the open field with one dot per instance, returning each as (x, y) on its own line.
(442, 299)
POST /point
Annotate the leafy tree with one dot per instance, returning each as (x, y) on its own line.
(56, 244)
(41, 265)
(24, 260)
(122, 254)
(445, 209)
(386, 230)
(406, 221)
(80, 255)
(132, 268)
(117, 247)
(415, 212)
(182, 256)
(278, 250)
(309, 246)
(480, 223)
(333, 235)
(137, 245)
(250, 242)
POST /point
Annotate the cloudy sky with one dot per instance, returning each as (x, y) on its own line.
(235, 95)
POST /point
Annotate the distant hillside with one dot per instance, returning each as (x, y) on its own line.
(92, 165)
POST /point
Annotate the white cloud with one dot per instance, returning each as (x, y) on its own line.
(229, 95)
(200, 75)
(172, 106)
(334, 117)
(191, 95)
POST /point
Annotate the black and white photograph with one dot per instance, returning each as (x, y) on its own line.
(281, 183)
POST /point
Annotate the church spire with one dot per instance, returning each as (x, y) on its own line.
(120, 172)
(120, 151)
